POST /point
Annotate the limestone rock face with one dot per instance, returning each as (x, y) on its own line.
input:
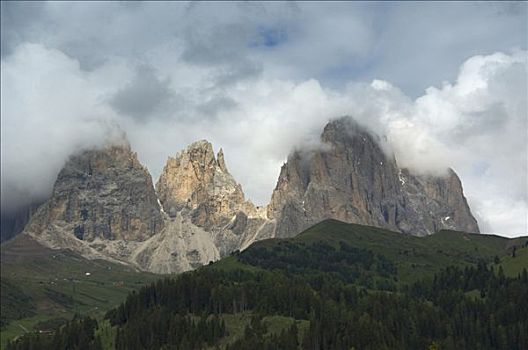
(197, 181)
(352, 179)
(198, 185)
(105, 194)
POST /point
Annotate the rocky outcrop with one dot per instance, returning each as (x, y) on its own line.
(181, 246)
(198, 185)
(353, 180)
(101, 194)
(197, 181)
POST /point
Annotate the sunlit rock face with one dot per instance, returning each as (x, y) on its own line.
(198, 185)
(197, 181)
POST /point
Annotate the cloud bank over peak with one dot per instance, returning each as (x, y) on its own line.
(261, 79)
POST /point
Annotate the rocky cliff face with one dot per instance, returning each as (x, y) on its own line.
(353, 180)
(199, 186)
(197, 181)
(105, 194)
(104, 204)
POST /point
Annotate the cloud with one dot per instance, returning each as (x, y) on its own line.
(456, 125)
(484, 115)
(438, 38)
(17, 23)
(145, 95)
(259, 79)
(49, 110)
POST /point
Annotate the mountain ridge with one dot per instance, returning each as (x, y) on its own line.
(105, 204)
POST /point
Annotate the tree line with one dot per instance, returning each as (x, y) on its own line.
(476, 307)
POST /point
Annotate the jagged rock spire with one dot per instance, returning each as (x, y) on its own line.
(221, 161)
(197, 181)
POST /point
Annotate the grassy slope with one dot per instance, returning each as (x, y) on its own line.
(415, 257)
(57, 284)
(514, 266)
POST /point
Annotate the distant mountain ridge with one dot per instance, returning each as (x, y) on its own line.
(104, 204)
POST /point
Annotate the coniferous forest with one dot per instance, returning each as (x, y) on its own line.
(186, 313)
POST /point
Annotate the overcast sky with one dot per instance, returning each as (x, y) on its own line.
(445, 82)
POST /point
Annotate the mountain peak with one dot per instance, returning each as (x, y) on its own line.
(347, 132)
(100, 194)
(202, 145)
(194, 177)
(355, 181)
(196, 185)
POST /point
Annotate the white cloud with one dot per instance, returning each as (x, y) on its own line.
(455, 125)
(49, 110)
(266, 92)
(482, 121)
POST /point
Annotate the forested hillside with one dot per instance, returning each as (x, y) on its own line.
(336, 286)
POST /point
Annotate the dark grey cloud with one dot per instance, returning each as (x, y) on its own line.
(144, 96)
(225, 45)
(91, 32)
(509, 8)
(216, 45)
(234, 73)
(217, 104)
(18, 22)
(223, 49)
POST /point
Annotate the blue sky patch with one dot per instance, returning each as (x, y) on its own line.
(269, 37)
